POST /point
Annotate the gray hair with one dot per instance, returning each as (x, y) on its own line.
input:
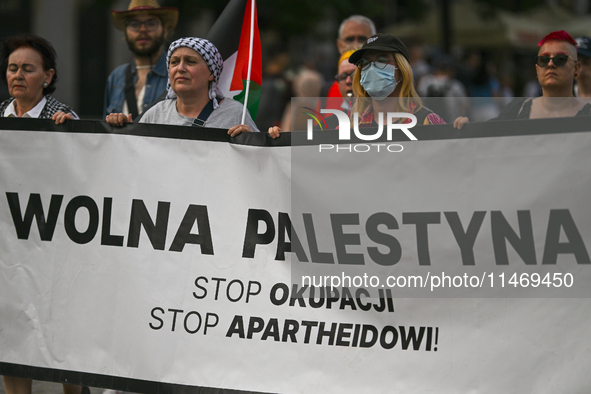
(358, 19)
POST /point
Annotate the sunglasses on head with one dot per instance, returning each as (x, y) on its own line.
(558, 60)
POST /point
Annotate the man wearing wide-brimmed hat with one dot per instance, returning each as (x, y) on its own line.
(132, 87)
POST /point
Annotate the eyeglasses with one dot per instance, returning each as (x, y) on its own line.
(135, 25)
(351, 39)
(558, 60)
(343, 76)
(381, 63)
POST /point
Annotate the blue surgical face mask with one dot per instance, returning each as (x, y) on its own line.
(379, 83)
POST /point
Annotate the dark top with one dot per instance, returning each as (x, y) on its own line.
(520, 108)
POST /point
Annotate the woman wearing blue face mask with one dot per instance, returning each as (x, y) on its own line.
(384, 77)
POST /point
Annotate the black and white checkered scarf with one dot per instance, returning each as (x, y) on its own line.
(212, 57)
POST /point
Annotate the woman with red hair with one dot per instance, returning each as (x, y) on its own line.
(557, 66)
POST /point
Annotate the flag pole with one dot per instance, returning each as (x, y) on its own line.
(252, 10)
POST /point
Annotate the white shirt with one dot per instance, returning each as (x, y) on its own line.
(32, 113)
(140, 100)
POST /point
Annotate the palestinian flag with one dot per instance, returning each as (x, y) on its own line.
(231, 35)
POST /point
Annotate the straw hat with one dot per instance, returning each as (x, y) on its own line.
(169, 15)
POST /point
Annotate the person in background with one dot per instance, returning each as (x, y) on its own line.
(556, 67)
(583, 78)
(442, 92)
(307, 83)
(133, 87)
(353, 32)
(344, 78)
(193, 98)
(30, 72)
(507, 80)
(275, 90)
(420, 66)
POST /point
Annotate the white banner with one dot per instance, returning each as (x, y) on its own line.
(167, 261)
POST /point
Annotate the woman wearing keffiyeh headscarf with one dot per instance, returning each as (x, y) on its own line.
(193, 97)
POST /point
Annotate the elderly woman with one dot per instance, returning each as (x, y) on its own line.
(193, 98)
(383, 71)
(29, 70)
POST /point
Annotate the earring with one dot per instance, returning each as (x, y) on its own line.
(45, 84)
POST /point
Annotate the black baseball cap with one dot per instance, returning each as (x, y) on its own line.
(380, 42)
(583, 46)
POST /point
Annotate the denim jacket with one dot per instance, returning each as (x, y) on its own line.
(115, 91)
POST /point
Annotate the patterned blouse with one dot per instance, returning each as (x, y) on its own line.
(51, 107)
(422, 114)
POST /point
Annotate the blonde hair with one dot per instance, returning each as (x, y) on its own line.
(345, 56)
(408, 94)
